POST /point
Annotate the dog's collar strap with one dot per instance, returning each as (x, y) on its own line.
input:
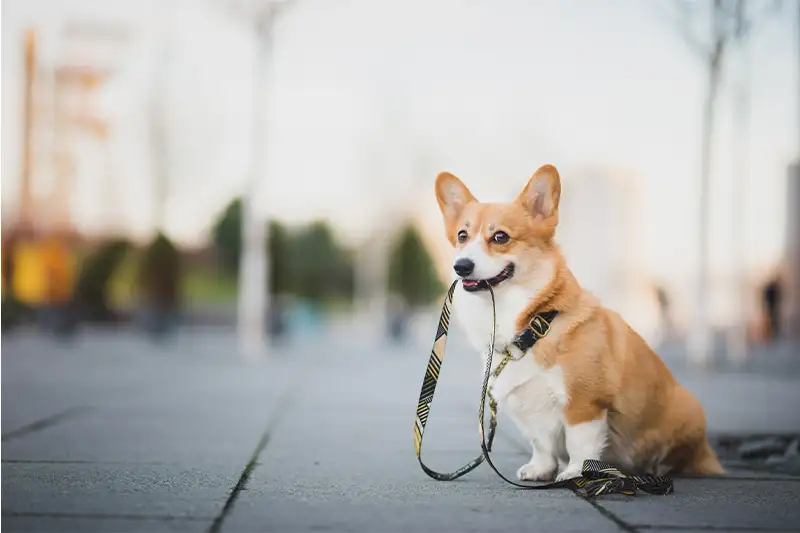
(538, 327)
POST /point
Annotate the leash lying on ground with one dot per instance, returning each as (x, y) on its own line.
(597, 477)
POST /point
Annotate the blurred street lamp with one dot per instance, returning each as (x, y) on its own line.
(159, 135)
(392, 184)
(253, 300)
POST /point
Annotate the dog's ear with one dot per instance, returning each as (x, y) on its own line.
(453, 196)
(542, 194)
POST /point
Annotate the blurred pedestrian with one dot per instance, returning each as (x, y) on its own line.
(398, 318)
(667, 328)
(772, 296)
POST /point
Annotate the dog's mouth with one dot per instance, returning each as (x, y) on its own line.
(473, 285)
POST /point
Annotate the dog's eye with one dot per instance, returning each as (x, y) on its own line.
(501, 237)
(462, 236)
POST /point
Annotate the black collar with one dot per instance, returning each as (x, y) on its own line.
(538, 327)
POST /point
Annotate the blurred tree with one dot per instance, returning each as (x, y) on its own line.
(91, 288)
(319, 267)
(731, 22)
(280, 272)
(159, 280)
(159, 274)
(308, 263)
(412, 275)
(227, 236)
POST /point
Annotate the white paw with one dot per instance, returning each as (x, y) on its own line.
(535, 472)
(572, 471)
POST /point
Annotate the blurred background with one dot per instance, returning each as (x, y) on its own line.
(268, 166)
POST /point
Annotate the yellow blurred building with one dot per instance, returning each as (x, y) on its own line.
(43, 272)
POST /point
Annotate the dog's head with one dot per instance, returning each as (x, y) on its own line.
(501, 243)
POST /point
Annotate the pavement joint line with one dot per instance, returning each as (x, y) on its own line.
(283, 406)
(619, 522)
(104, 516)
(44, 423)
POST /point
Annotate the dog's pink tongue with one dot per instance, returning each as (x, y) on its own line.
(470, 282)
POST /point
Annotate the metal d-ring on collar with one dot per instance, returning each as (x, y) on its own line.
(596, 477)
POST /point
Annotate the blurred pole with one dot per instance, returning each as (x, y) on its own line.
(793, 233)
(158, 131)
(737, 336)
(254, 299)
(25, 192)
(389, 174)
(793, 249)
(700, 332)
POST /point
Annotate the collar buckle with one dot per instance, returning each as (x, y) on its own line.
(539, 326)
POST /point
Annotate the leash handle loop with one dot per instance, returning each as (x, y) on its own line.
(429, 383)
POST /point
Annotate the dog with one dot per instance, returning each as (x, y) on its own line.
(591, 388)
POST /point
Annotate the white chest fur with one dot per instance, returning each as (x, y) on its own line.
(533, 396)
(473, 311)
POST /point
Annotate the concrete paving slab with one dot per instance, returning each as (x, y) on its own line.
(108, 489)
(719, 504)
(171, 431)
(446, 515)
(27, 523)
(204, 434)
(706, 530)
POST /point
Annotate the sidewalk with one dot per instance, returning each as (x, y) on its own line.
(113, 434)
(780, 359)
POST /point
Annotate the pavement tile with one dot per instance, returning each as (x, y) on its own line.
(475, 513)
(172, 427)
(98, 524)
(208, 434)
(104, 489)
(720, 504)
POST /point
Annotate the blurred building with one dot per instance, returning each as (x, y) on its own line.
(64, 130)
(599, 235)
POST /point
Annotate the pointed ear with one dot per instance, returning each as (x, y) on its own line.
(453, 196)
(542, 194)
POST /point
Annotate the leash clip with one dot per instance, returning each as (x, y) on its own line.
(510, 356)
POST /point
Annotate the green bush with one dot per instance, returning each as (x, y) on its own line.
(319, 268)
(412, 275)
(91, 288)
(307, 262)
(159, 275)
(227, 236)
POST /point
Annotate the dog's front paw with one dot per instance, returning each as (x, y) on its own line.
(573, 470)
(535, 472)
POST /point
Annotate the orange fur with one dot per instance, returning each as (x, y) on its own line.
(607, 367)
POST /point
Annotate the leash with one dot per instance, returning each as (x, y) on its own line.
(596, 478)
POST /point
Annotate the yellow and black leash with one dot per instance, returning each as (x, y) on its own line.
(596, 478)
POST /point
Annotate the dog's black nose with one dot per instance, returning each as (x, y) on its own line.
(464, 267)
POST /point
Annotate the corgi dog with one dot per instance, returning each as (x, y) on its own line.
(591, 388)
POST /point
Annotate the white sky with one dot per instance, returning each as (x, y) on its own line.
(487, 90)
